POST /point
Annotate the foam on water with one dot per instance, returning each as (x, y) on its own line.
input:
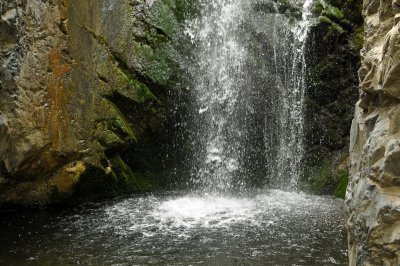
(261, 227)
(181, 215)
(215, 211)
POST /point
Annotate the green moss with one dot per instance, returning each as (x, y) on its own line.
(165, 18)
(333, 12)
(352, 10)
(109, 139)
(138, 91)
(328, 176)
(122, 172)
(154, 49)
(336, 27)
(114, 130)
(325, 20)
(341, 188)
(320, 178)
(119, 123)
(129, 181)
(114, 178)
(358, 38)
(318, 8)
(332, 90)
(156, 66)
(159, 71)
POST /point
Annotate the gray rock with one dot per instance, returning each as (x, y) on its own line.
(373, 195)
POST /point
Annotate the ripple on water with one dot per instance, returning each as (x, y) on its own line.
(259, 228)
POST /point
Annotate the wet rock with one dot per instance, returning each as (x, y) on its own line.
(81, 83)
(374, 224)
(332, 59)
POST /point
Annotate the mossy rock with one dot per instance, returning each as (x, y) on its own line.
(136, 90)
(320, 178)
(163, 17)
(333, 27)
(68, 177)
(114, 177)
(358, 38)
(331, 92)
(129, 181)
(352, 10)
(328, 176)
(341, 188)
(318, 8)
(332, 12)
(325, 20)
(337, 27)
(115, 130)
(96, 183)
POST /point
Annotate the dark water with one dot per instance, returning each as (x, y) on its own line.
(264, 227)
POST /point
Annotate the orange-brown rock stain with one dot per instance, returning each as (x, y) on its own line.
(59, 96)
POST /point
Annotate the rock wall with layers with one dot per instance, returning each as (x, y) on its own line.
(373, 194)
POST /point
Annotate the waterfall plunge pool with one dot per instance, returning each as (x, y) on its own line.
(259, 227)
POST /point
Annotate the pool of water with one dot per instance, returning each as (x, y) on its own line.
(260, 227)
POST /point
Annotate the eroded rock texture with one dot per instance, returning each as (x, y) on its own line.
(82, 92)
(373, 195)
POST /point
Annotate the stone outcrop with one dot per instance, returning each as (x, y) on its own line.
(83, 91)
(373, 195)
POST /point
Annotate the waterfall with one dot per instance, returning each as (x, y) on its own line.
(284, 132)
(228, 96)
(219, 79)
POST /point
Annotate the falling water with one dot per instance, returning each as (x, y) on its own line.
(224, 81)
(219, 79)
(284, 131)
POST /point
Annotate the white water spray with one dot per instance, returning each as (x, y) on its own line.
(223, 81)
(219, 79)
(284, 138)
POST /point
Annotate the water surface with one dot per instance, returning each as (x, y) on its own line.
(261, 227)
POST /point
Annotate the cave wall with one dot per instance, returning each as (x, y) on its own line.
(83, 96)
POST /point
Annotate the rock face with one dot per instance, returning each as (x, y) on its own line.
(373, 195)
(83, 91)
(333, 59)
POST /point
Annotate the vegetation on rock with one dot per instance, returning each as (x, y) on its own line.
(334, 58)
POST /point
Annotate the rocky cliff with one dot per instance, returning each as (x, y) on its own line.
(83, 96)
(373, 195)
